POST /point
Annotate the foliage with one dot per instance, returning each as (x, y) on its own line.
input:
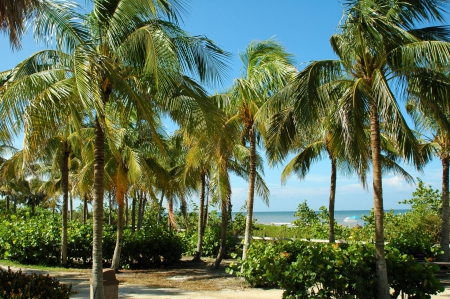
(312, 225)
(30, 240)
(19, 285)
(36, 240)
(322, 270)
(145, 247)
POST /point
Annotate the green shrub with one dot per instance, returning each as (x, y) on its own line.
(31, 240)
(151, 246)
(19, 285)
(322, 270)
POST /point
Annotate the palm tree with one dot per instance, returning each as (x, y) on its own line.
(439, 143)
(378, 50)
(125, 49)
(267, 68)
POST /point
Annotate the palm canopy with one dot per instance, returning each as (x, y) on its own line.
(381, 58)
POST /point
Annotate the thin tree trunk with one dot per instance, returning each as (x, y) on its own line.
(121, 190)
(71, 206)
(205, 221)
(126, 210)
(85, 209)
(251, 192)
(223, 235)
(141, 211)
(331, 238)
(445, 209)
(171, 217)
(65, 191)
(15, 206)
(7, 203)
(133, 213)
(183, 209)
(99, 162)
(110, 208)
(381, 268)
(141, 201)
(200, 226)
(160, 208)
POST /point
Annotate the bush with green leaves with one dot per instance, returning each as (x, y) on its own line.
(31, 239)
(151, 246)
(18, 285)
(322, 270)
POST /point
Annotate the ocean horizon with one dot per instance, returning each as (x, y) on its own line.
(288, 216)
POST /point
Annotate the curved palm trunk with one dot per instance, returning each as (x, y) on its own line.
(65, 191)
(445, 209)
(381, 268)
(331, 237)
(119, 240)
(85, 209)
(171, 217)
(251, 192)
(201, 227)
(97, 264)
(223, 234)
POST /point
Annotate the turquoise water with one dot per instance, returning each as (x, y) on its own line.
(288, 216)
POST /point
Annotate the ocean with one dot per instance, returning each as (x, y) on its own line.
(288, 216)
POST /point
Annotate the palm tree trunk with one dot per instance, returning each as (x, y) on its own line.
(331, 238)
(223, 234)
(205, 220)
(160, 208)
(99, 163)
(119, 240)
(381, 268)
(133, 214)
(7, 203)
(200, 227)
(110, 208)
(445, 209)
(65, 191)
(126, 210)
(85, 209)
(251, 192)
(71, 206)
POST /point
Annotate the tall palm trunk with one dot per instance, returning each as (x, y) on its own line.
(71, 206)
(99, 163)
(110, 208)
(445, 209)
(201, 227)
(160, 208)
(331, 204)
(7, 203)
(223, 234)
(133, 213)
(251, 192)
(85, 209)
(381, 268)
(119, 240)
(171, 217)
(65, 191)
(126, 210)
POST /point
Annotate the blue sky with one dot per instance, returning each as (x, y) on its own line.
(304, 28)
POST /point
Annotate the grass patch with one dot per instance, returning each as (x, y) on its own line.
(274, 231)
(8, 263)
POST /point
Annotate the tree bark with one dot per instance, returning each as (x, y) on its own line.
(7, 203)
(223, 234)
(133, 213)
(201, 227)
(85, 209)
(251, 192)
(381, 268)
(119, 240)
(99, 163)
(331, 237)
(126, 210)
(445, 209)
(65, 191)
(71, 206)
(160, 208)
(110, 208)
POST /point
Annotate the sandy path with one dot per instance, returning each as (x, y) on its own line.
(80, 283)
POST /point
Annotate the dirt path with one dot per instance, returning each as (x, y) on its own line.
(186, 280)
